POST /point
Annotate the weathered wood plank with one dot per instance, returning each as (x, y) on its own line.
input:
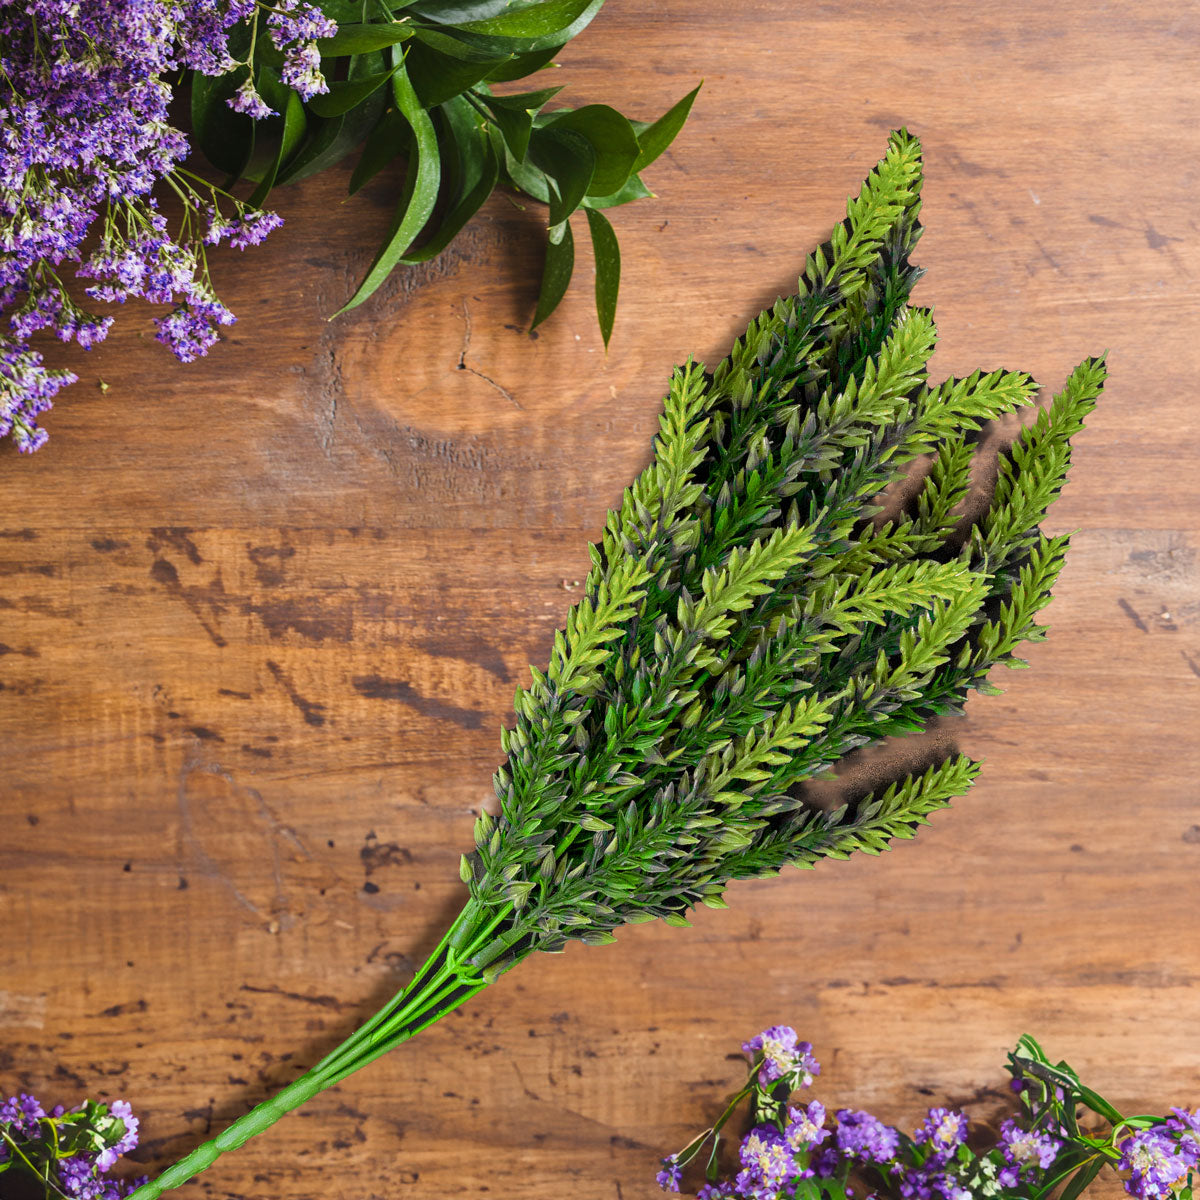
(261, 619)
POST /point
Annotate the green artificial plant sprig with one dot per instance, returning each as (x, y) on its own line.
(754, 612)
(415, 80)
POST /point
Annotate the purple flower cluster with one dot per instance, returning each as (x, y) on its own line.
(790, 1144)
(20, 1114)
(1026, 1153)
(1155, 1166)
(84, 140)
(74, 1150)
(668, 1178)
(866, 1138)
(1185, 1124)
(784, 1059)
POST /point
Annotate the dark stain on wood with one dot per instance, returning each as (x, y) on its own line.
(1132, 614)
(313, 712)
(108, 545)
(119, 1010)
(177, 538)
(164, 572)
(375, 855)
(204, 733)
(268, 562)
(375, 687)
(298, 616)
(321, 1001)
(470, 650)
(26, 652)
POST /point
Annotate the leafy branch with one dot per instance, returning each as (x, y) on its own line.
(758, 607)
(422, 81)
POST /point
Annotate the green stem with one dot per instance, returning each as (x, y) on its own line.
(439, 987)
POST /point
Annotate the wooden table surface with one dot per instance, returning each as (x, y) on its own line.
(262, 618)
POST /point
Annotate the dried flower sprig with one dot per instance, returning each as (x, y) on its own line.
(748, 621)
(796, 1152)
(65, 1154)
(85, 139)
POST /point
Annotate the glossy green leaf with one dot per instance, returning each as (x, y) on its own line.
(532, 21)
(516, 124)
(291, 135)
(612, 138)
(390, 139)
(569, 161)
(363, 38)
(438, 77)
(467, 206)
(608, 270)
(452, 44)
(532, 102)
(420, 190)
(527, 45)
(655, 138)
(348, 94)
(329, 139)
(560, 262)
(463, 143)
(634, 189)
(1098, 1104)
(453, 12)
(524, 176)
(519, 66)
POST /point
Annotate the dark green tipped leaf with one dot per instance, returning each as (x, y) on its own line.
(634, 189)
(560, 262)
(608, 270)
(294, 123)
(420, 190)
(569, 163)
(363, 39)
(545, 19)
(612, 138)
(521, 65)
(438, 77)
(390, 139)
(350, 93)
(655, 138)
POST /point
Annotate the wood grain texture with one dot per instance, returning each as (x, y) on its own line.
(261, 618)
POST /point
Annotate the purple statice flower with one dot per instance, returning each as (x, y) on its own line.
(668, 1178)
(806, 1126)
(1155, 1168)
(190, 330)
(944, 1130)
(128, 1140)
(247, 100)
(85, 138)
(252, 227)
(783, 1057)
(715, 1191)
(21, 1114)
(1026, 1152)
(1186, 1124)
(864, 1137)
(295, 26)
(767, 1164)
